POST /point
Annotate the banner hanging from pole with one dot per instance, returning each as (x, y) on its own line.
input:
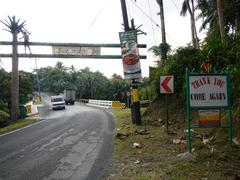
(130, 55)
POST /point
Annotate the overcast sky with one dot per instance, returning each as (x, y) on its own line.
(92, 21)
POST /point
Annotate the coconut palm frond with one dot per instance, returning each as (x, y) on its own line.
(17, 21)
(184, 9)
(5, 24)
(13, 24)
(11, 19)
(209, 20)
(7, 30)
(23, 24)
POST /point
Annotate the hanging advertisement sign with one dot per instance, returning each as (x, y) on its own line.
(130, 55)
(208, 91)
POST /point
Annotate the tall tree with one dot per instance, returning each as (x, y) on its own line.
(162, 19)
(14, 27)
(221, 19)
(161, 13)
(188, 6)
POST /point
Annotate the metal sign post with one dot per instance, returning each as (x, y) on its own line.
(166, 87)
(208, 91)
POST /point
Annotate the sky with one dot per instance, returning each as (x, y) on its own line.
(92, 21)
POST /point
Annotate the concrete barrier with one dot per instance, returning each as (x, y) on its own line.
(101, 103)
(31, 109)
(106, 104)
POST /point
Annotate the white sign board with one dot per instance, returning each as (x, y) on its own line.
(166, 84)
(76, 50)
(208, 91)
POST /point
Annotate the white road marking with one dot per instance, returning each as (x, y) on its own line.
(22, 128)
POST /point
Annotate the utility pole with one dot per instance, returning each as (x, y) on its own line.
(135, 108)
(38, 81)
(161, 13)
(125, 15)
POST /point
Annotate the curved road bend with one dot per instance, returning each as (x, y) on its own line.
(73, 144)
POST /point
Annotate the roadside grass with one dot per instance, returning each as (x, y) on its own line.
(18, 124)
(160, 158)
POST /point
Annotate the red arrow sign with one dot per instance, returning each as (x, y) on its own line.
(166, 84)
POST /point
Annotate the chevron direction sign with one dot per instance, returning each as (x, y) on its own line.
(166, 84)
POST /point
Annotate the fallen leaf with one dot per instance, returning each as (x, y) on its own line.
(137, 162)
(136, 145)
(236, 141)
(206, 141)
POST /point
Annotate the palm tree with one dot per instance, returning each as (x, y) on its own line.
(220, 19)
(188, 6)
(14, 27)
(164, 42)
(161, 51)
(208, 13)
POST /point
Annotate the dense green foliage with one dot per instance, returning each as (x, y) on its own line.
(26, 81)
(221, 54)
(4, 117)
(5, 91)
(88, 84)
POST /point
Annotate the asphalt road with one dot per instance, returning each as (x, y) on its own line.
(75, 144)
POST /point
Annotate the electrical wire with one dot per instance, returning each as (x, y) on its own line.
(150, 18)
(149, 7)
(175, 5)
(98, 14)
(145, 14)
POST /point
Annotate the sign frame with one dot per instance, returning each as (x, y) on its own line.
(209, 106)
(227, 107)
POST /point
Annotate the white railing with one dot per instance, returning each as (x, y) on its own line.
(102, 103)
(111, 104)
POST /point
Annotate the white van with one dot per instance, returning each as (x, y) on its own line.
(57, 102)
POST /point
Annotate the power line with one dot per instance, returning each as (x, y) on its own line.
(98, 14)
(151, 23)
(175, 5)
(145, 14)
(150, 19)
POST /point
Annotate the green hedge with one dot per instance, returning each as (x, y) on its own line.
(4, 117)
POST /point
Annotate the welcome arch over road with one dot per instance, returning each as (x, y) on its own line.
(50, 44)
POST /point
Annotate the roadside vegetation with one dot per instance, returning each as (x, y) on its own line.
(18, 124)
(150, 152)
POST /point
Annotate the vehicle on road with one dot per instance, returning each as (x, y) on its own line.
(69, 96)
(57, 102)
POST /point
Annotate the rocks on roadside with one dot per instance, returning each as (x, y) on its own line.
(136, 145)
(236, 141)
(179, 141)
(187, 156)
(122, 135)
(141, 131)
